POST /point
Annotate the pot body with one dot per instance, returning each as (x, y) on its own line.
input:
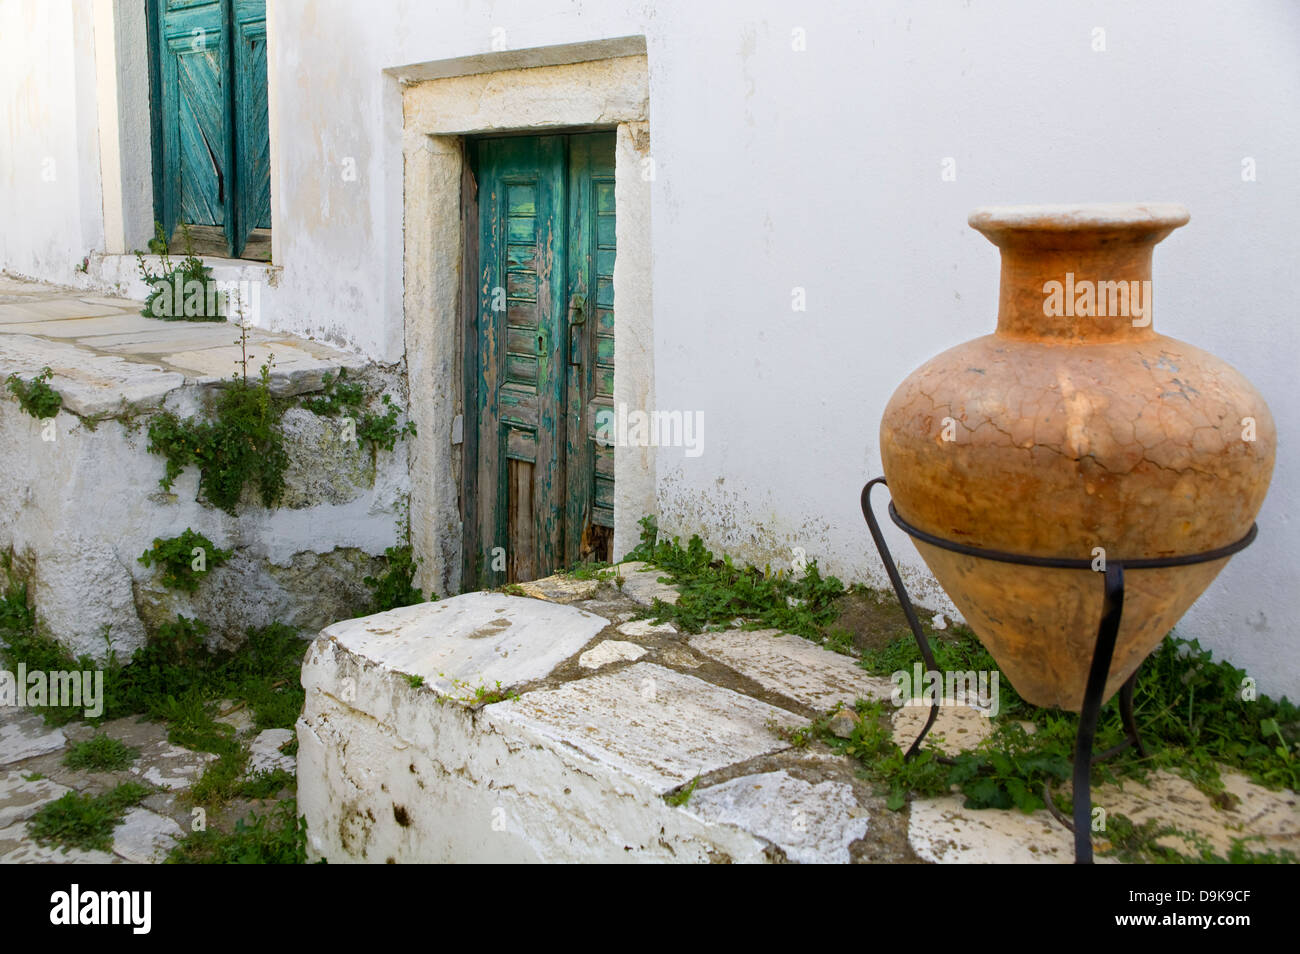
(1075, 436)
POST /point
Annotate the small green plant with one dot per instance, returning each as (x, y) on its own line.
(596, 570)
(414, 681)
(484, 696)
(683, 794)
(337, 395)
(185, 560)
(395, 587)
(36, 396)
(180, 292)
(481, 695)
(180, 642)
(241, 444)
(1150, 843)
(101, 753)
(381, 430)
(85, 821)
(267, 784)
(278, 837)
(715, 592)
(16, 617)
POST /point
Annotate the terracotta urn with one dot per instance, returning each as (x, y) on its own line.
(1075, 431)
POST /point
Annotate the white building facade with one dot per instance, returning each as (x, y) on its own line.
(792, 183)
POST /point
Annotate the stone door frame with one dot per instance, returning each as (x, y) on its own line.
(598, 85)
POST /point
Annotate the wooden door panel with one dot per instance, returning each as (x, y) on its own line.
(520, 192)
(589, 508)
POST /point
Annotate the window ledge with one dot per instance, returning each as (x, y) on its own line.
(121, 273)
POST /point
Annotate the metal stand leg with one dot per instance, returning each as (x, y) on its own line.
(908, 611)
(1112, 610)
(1126, 713)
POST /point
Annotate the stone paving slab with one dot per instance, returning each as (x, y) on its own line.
(956, 728)
(145, 838)
(265, 755)
(156, 341)
(792, 666)
(470, 640)
(96, 374)
(1271, 817)
(641, 583)
(18, 848)
(295, 370)
(170, 766)
(90, 383)
(60, 309)
(112, 324)
(611, 651)
(20, 798)
(123, 304)
(238, 717)
(941, 831)
(560, 589)
(653, 724)
(15, 313)
(24, 735)
(811, 824)
(645, 627)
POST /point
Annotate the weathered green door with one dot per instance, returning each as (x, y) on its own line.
(212, 150)
(542, 357)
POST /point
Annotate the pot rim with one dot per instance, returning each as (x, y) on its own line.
(1076, 217)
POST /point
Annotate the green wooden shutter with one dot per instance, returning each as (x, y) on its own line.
(252, 134)
(214, 142)
(194, 117)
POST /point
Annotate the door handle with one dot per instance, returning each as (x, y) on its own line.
(577, 318)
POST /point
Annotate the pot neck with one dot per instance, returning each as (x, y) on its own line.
(1076, 294)
(1077, 273)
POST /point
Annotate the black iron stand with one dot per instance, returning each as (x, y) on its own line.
(1103, 650)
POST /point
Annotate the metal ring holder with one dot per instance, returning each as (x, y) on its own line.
(1103, 650)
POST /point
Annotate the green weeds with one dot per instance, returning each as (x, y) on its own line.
(36, 396)
(715, 592)
(395, 586)
(184, 560)
(100, 753)
(278, 837)
(85, 821)
(197, 299)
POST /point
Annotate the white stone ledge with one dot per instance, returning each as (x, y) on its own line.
(573, 768)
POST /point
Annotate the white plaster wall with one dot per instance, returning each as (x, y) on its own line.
(51, 209)
(821, 169)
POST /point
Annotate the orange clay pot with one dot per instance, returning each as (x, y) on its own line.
(1061, 433)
